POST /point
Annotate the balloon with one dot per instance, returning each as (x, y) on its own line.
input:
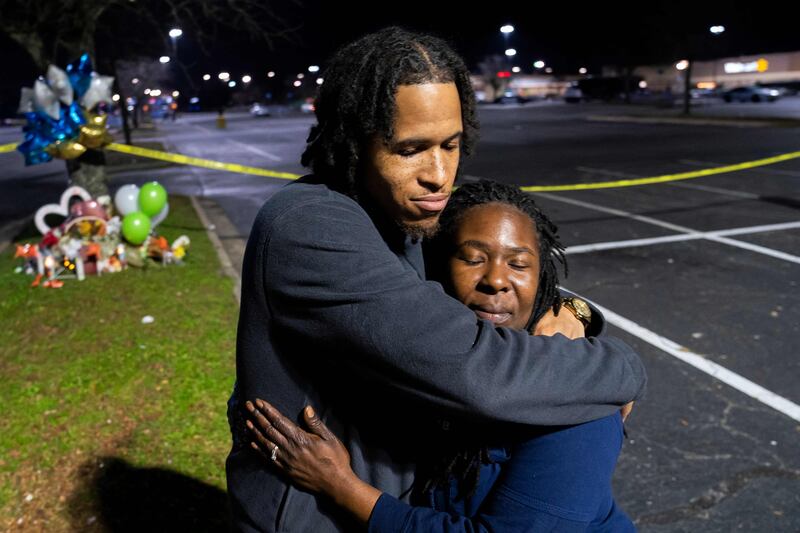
(61, 208)
(26, 101)
(79, 73)
(66, 149)
(88, 208)
(34, 151)
(93, 134)
(59, 83)
(45, 100)
(159, 218)
(135, 227)
(127, 199)
(75, 116)
(152, 198)
(99, 91)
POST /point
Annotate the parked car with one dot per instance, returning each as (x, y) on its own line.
(259, 110)
(510, 97)
(308, 106)
(751, 93)
(573, 94)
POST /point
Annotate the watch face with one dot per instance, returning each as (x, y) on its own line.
(581, 307)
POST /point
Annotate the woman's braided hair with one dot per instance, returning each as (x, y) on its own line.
(357, 99)
(459, 454)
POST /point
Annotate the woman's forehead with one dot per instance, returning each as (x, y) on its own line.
(498, 222)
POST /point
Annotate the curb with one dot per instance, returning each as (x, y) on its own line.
(222, 220)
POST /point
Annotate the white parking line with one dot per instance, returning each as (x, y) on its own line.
(704, 364)
(675, 227)
(594, 247)
(716, 190)
(253, 149)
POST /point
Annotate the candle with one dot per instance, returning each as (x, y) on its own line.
(48, 267)
(79, 268)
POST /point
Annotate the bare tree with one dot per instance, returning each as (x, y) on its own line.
(59, 32)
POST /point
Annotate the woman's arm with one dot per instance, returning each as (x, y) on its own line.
(317, 461)
(558, 479)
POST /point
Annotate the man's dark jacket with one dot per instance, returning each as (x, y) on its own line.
(336, 313)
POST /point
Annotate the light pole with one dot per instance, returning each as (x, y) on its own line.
(507, 30)
(174, 33)
(716, 31)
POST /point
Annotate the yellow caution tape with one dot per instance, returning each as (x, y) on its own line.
(243, 169)
(662, 179)
(199, 162)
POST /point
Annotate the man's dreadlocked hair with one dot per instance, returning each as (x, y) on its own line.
(357, 99)
(461, 454)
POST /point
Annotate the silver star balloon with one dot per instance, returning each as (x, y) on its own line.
(59, 83)
(99, 91)
(45, 100)
(26, 101)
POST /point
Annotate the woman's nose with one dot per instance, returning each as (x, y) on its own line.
(495, 278)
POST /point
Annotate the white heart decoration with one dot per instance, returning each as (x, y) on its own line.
(61, 208)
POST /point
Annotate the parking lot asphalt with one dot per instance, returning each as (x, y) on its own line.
(707, 292)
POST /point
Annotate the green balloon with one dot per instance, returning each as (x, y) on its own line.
(135, 227)
(152, 198)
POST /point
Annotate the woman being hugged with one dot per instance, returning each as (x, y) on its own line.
(496, 252)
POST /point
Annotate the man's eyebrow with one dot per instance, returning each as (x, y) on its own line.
(480, 245)
(423, 140)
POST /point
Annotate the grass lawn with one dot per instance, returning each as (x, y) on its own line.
(109, 424)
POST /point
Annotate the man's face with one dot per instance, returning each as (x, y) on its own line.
(411, 177)
(494, 269)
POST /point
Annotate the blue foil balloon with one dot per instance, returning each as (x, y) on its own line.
(80, 75)
(75, 115)
(34, 149)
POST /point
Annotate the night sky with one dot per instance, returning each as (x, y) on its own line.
(566, 35)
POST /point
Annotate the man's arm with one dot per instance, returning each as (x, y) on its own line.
(330, 275)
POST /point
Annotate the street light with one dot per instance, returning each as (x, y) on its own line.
(163, 59)
(716, 30)
(270, 74)
(231, 83)
(320, 81)
(297, 83)
(206, 77)
(115, 98)
(246, 79)
(548, 70)
(313, 68)
(301, 76)
(582, 70)
(511, 52)
(683, 64)
(505, 30)
(174, 33)
(538, 64)
(224, 76)
(516, 70)
(176, 94)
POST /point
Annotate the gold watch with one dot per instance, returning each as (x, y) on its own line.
(579, 308)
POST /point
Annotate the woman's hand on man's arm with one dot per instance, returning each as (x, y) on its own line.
(316, 461)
